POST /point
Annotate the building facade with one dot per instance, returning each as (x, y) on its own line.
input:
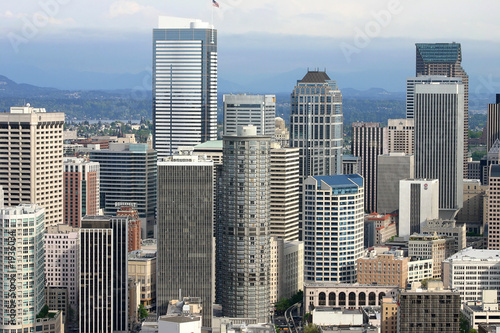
(128, 174)
(62, 265)
(391, 168)
(23, 267)
(383, 269)
(439, 150)
(446, 59)
(400, 136)
(418, 202)
(369, 140)
(284, 195)
(437, 248)
(493, 221)
(31, 151)
(493, 123)
(244, 110)
(333, 227)
(243, 244)
(81, 190)
(184, 84)
(185, 235)
(472, 213)
(316, 122)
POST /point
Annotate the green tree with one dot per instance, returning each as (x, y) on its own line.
(142, 312)
(311, 328)
(282, 305)
(298, 297)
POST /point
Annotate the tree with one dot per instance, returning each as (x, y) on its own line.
(282, 305)
(142, 312)
(311, 328)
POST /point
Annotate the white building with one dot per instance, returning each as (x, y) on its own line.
(179, 324)
(62, 261)
(31, 151)
(333, 222)
(472, 270)
(418, 201)
(244, 110)
(419, 270)
(485, 311)
(22, 291)
(326, 316)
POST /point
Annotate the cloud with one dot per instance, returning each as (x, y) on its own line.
(126, 8)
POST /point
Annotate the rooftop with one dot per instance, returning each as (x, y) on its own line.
(210, 144)
(475, 254)
(315, 77)
(439, 52)
(341, 180)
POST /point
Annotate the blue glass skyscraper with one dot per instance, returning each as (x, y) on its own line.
(184, 84)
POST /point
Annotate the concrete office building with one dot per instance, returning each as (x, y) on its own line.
(472, 270)
(284, 186)
(389, 314)
(419, 270)
(379, 229)
(351, 164)
(62, 263)
(243, 110)
(31, 150)
(446, 59)
(281, 132)
(104, 274)
(389, 268)
(493, 123)
(185, 235)
(128, 174)
(472, 213)
(134, 224)
(184, 84)
(243, 249)
(142, 269)
(418, 202)
(400, 136)
(316, 124)
(484, 311)
(333, 227)
(448, 228)
(369, 140)
(81, 190)
(436, 248)
(439, 150)
(22, 291)
(493, 221)
(434, 310)
(391, 168)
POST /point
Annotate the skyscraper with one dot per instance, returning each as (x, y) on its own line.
(493, 240)
(81, 190)
(439, 139)
(400, 136)
(333, 227)
(184, 84)
(243, 245)
(185, 232)
(244, 110)
(31, 151)
(316, 124)
(446, 59)
(369, 140)
(493, 123)
(104, 274)
(22, 291)
(128, 175)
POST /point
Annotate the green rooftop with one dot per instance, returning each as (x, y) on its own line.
(210, 144)
(439, 52)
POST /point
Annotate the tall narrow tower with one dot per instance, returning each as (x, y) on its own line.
(446, 59)
(243, 247)
(316, 124)
(184, 84)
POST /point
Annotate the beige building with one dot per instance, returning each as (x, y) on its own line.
(281, 133)
(284, 197)
(400, 133)
(493, 208)
(379, 228)
(448, 228)
(31, 151)
(472, 213)
(142, 269)
(384, 269)
(437, 248)
(389, 314)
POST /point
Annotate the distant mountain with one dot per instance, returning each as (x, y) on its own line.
(9, 88)
(373, 93)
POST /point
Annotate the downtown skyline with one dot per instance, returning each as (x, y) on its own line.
(362, 44)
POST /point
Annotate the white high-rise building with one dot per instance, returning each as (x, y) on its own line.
(439, 141)
(22, 291)
(184, 84)
(418, 202)
(472, 270)
(333, 227)
(31, 151)
(62, 261)
(244, 110)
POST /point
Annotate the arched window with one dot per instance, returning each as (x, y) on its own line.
(322, 299)
(362, 299)
(332, 299)
(342, 299)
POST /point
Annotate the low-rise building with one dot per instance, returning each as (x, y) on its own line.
(142, 269)
(485, 311)
(389, 314)
(448, 228)
(379, 228)
(389, 268)
(419, 270)
(434, 247)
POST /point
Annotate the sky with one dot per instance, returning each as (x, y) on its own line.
(262, 44)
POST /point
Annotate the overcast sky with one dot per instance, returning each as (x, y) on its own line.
(365, 43)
